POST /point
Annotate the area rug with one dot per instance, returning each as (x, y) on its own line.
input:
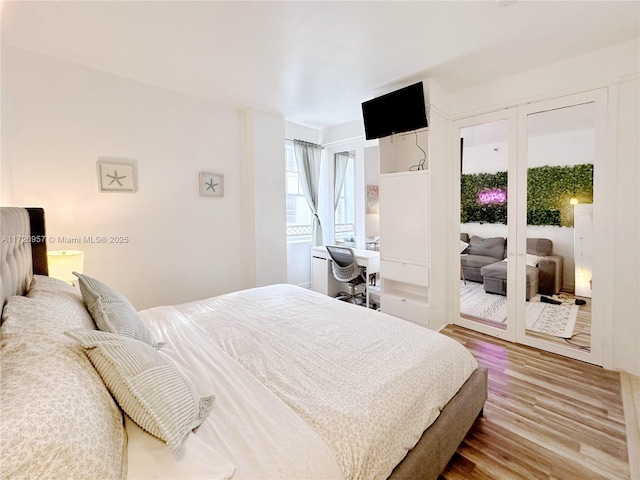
(475, 302)
(555, 320)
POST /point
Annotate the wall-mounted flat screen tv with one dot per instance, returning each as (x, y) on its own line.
(396, 112)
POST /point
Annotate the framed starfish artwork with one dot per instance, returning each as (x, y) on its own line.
(115, 176)
(211, 184)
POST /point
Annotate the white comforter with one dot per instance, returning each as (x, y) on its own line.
(369, 384)
(249, 434)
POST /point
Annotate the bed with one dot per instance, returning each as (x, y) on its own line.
(274, 382)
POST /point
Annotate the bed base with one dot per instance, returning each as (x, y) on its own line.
(440, 441)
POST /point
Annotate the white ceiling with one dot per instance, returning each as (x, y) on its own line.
(314, 62)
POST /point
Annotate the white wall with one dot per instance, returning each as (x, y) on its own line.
(266, 188)
(58, 118)
(576, 74)
(344, 132)
(293, 131)
(625, 348)
(562, 149)
(441, 211)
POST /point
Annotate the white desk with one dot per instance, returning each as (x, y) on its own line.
(322, 279)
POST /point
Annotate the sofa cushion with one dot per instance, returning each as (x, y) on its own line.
(488, 247)
(476, 261)
(539, 246)
(494, 278)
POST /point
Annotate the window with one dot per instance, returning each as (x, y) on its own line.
(344, 216)
(298, 214)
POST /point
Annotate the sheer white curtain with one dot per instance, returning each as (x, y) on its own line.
(308, 160)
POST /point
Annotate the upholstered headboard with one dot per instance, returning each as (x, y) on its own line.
(23, 249)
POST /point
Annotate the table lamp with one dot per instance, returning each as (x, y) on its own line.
(63, 262)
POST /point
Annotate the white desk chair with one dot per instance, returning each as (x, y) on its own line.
(345, 269)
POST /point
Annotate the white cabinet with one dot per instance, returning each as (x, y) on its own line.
(404, 245)
(408, 307)
(404, 219)
(322, 279)
(405, 271)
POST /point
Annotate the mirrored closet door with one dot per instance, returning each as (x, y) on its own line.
(487, 153)
(561, 142)
(530, 192)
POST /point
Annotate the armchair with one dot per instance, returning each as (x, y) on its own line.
(550, 266)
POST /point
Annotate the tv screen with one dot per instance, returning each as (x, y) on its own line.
(395, 112)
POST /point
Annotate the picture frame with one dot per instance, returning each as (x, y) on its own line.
(373, 202)
(211, 184)
(117, 175)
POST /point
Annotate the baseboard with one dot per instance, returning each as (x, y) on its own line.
(630, 386)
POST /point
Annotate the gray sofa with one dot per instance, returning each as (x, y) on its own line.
(482, 262)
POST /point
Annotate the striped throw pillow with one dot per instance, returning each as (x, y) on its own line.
(112, 312)
(146, 384)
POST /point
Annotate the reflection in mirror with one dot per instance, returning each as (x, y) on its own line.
(483, 223)
(344, 198)
(560, 156)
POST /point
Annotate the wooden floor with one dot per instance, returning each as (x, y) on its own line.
(546, 417)
(631, 401)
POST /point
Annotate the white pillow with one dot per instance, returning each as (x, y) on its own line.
(532, 260)
(50, 307)
(112, 312)
(463, 246)
(57, 418)
(146, 384)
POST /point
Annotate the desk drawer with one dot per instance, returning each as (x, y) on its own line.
(415, 311)
(405, 272)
